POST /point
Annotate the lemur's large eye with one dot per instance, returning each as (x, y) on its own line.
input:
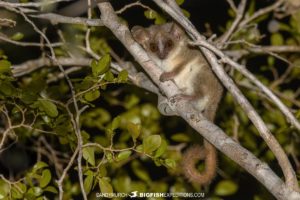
(169, 43)
(153, 47)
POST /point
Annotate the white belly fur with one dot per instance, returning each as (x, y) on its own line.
(185, 79)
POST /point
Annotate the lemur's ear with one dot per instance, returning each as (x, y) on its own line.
(176, 31)
(140, 34)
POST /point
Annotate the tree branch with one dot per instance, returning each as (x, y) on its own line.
(55, 19)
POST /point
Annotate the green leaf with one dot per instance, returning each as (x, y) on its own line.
(102, 171)
(4, 66)
(88, 182)
(139, 171)
(95, 118)
(180, 137)
(139, 148)
(21, 186)
(48, 107)
(86, 83)
(271, 61)
(7, 88)
(94, 64)
(151, 143)
(102, 66)
(17, 36)
(123, 76)
(39, 165)
(160, 19)
(109, 156)
(116, 123)
(105, 186)
(186, 13)
(51, 189)
(226, 188)
(28, 98)
(46, 178)
(92, 95)
(4, 189)
(36, 85)
(46, 119)
(109, 76)
(122, 183)
(130, 101)
(252, 7)
(170, 163)
(141, 187)
(124, 155)
(16, 194)
(134, 130)
(88, 154)
(277, 39)
(36, 191)
(150, 14)
(162, 149)
(179, 2)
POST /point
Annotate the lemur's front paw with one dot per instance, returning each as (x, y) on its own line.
(176, 98)
(179, 97)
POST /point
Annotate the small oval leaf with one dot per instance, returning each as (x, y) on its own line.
(170, 163)
(116, 123)
(92, 95)
(48, 107)
(4, 66)
(46, 178)
(88, 154)
(277, 39)
(122, 76)
(105, 186)
(162, 149)
(140, 171)
(124, 155)
(101, 66)
(134, 130)
(151, 143)
(51, 189)
(226, 188)
(39, 165)
(17, 36)
(88, 183)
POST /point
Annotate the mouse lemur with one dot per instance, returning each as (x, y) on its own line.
(167, 45)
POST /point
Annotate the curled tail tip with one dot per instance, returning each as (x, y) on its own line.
(190, 158)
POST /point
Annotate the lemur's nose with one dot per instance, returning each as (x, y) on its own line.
(162, 55)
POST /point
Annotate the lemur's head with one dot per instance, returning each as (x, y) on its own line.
(158, 40)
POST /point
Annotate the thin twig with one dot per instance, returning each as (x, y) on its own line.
(261, 12)
(26, 44)
(239, 15)
(56, 18)
(137, 3)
